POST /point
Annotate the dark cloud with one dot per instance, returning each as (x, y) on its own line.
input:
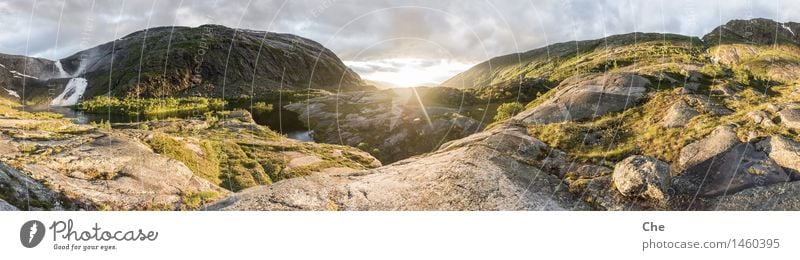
(467, 31)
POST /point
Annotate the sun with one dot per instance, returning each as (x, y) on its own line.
(407, 72)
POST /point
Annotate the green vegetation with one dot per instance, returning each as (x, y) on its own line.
(130, 106)
(239, 171)
(261, 107)
(194, 200)
(204, 164)
(508, 110)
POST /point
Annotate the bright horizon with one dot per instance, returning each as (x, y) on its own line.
(399, 43)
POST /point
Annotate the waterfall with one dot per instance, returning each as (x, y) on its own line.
(61, 72)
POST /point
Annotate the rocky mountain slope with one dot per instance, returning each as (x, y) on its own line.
(633, 122)
(210, 61)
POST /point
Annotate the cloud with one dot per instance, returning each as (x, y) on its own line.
(467, 31)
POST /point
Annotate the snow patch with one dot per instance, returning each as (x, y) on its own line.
(18, 75)
(11, 92)
(787, 28)
(72, 93)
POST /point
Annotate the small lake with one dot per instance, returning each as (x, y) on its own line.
(280, 120)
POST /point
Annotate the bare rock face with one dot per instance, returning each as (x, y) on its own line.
(499, 169)
(679, 115)
(4, 206)
(642, 176)
(781, 196)
(587, 96)
(121, 173)
(790, 118)
(19, 191)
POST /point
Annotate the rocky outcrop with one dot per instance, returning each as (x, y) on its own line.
(719, 165)
(588, 96)
(389, 124)
(53, 164)
(679, 114)
(499, 169)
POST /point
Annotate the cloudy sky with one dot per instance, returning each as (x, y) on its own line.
(400, 42)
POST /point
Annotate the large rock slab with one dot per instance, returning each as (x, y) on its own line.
(116, 171)
(23, 192)
(702, 151)
(784, 151)
(742, 167)
(587, 96)
(499, 169)
(780, 196)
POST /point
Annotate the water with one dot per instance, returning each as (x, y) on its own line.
(279, 120)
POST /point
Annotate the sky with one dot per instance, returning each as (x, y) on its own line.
(400, 43)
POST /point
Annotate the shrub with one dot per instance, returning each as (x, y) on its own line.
(507, 110)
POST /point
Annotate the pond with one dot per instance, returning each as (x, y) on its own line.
(278, 119)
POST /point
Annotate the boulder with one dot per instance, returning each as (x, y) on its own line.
(642, 176)
(679, 115)
(499, 169)
(790, 118)
(587, 96)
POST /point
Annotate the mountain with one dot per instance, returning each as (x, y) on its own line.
(209, 60)
(20, 75)
(755, 31)
(557, 61)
